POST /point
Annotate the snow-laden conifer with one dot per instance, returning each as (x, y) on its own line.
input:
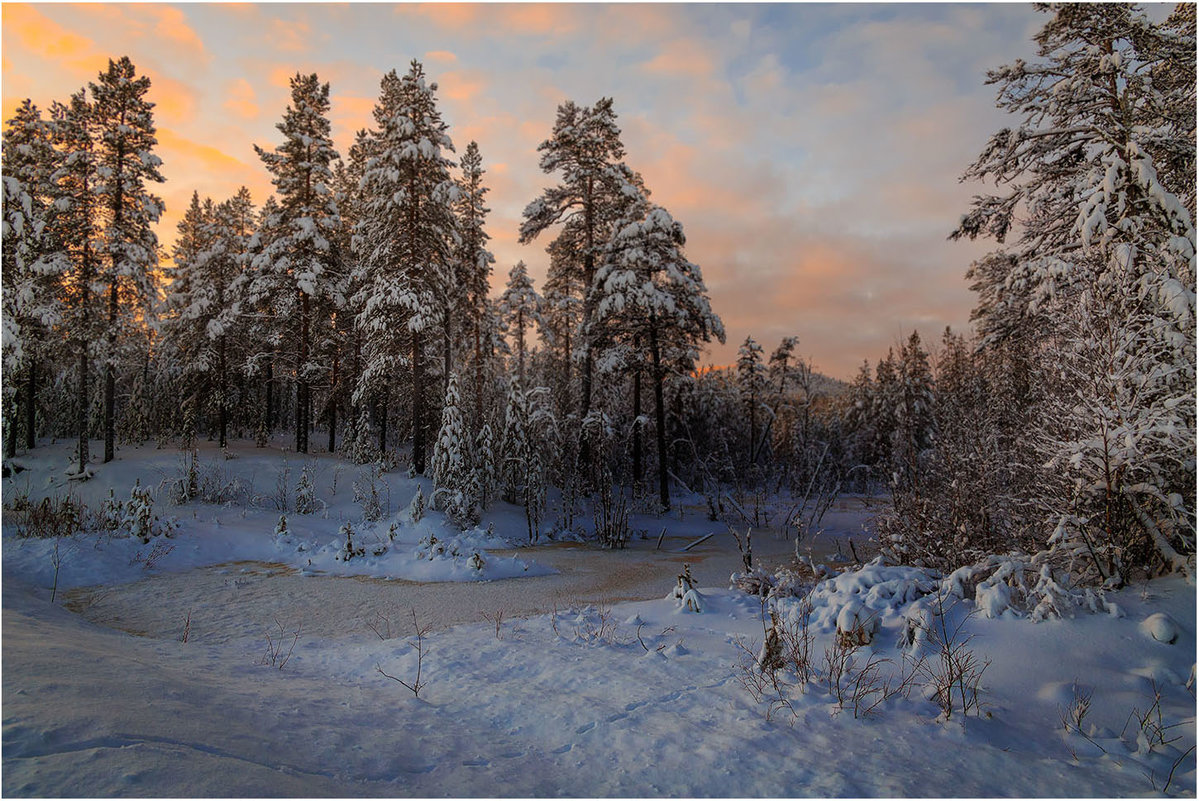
(33, 264)
(650, 297)
(296, 267)
(123, 123)
(453, 473)
(1098, 279)
(520, 309)
(405, 239)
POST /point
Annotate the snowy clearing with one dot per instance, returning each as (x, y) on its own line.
(634, 698)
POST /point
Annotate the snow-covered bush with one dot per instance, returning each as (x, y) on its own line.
(685, 594)
(51, 517)
(453, 464)
(306, 500)
(416, 509)
(348, 549)
(366, 493)
(140, 519)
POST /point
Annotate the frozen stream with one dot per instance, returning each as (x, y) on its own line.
(239, 599)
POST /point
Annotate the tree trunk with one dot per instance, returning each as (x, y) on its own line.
(418, 405)
(447, 353)
(31, 407)
(222, 417)
(520, 347)
(267, 413)
(110, 376)
(659, 417)
(638, 468)
(588, 276)
(478, 379)
(10, 429)
(382, 415)
(81, 419)
(301, 380)
(333, 407)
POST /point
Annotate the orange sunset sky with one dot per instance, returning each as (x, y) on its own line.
(811, 151)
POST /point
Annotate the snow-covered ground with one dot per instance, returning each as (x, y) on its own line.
(102, 696)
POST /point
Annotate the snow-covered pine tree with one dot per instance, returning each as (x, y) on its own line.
(233, 226)
(265, 329)
(453, 461)
(77, 206)
(651, 297)
(520, 309)
(561, 317)
(33, 264)
(752, 379)
(123, 122)
(514, 445)
(485, 474)
(347, 178)
(1100, 275)
(915, 425)
(189, 304)
(297, 265)
(884, 411)
(204, 324)
(405, 239)
(860, 425)
(788, 423)
(473, 261)
(585, 148)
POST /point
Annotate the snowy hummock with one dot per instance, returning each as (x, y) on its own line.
(245, 528)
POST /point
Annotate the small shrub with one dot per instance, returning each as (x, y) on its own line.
(348, 549)
(954, 673)
(417, 684)
(306, 501)
(366, 493)
(149, 559)
(416, 509)
(276, 641)
(48, 518)
(611, 517)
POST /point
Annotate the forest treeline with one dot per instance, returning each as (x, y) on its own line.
(354, 305)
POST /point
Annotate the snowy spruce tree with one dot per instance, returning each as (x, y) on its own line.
(405, 239)
(585, 148)
(652, 299)
(75, 199)
(485, 474)
(296, 266)
(453, 474)
(1096, 276)
(204, 326)
(520, 309)
(33, 264)
(752, 380)
(514, 445)
(123, 124)
(473, 263)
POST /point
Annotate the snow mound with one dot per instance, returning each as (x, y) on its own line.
(875, 592)
(1160, 627)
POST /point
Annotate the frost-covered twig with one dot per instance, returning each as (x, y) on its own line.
(417, 684)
